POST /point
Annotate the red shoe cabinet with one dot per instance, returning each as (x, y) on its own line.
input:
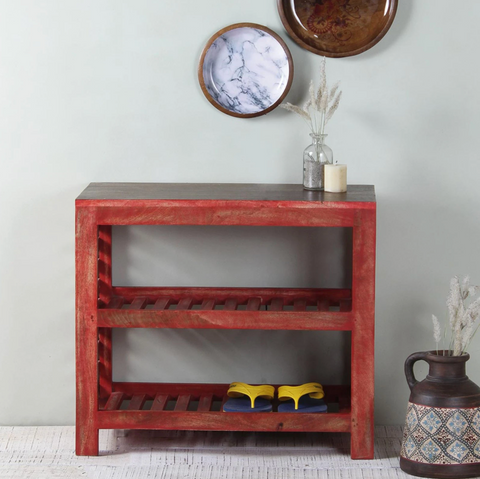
(100, 306)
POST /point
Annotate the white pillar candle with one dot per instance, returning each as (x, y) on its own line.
(336, 178)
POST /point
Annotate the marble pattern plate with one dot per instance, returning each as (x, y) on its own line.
(337, 28)
(245, 70)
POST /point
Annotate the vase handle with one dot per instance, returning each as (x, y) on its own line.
(411, 360)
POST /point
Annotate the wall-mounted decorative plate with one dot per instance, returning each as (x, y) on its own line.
(245, 70)
(337, 28)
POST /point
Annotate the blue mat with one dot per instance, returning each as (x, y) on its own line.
(306, 404)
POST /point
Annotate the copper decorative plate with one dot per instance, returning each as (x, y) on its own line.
(245, 70)
(337, 28)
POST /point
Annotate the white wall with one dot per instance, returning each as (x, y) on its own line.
(106, 90)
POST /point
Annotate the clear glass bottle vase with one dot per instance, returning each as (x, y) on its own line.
(315, 157)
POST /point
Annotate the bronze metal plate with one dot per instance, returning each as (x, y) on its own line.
(337, 28)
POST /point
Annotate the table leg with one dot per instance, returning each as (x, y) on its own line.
(86, 276)
(363, 306)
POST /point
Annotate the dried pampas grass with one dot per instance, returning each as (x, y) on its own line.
(437, 332)
(322, 103)
(463, 316)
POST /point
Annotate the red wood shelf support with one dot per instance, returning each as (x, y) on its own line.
(86, 257)
(363, 335)
(221, 421)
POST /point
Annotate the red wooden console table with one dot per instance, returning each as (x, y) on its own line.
(100, 306)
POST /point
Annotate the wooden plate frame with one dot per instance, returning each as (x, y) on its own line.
(297, 38)
(209, 44)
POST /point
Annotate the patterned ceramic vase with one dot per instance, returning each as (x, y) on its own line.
(442, 430)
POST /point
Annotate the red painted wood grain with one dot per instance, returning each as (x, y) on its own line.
(230, 304)
(138, 303)
(205, 403)
(253, 304)
(228, 215)
(363, 334)
(333, 392)
(105, 296)
(86, 344)
(208, 304)
(161, 304)
(277, 304)
(137, 402)
(159, 402)
(185, 303)
(221, 421)
(104, 362)
(220, 295)
(105, 263)
(226, 319)
(114, 401)
(182, 402)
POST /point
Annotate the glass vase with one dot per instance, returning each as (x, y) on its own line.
(315, 157)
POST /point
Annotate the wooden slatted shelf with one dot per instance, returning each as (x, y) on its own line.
(228, 308)
(144, 406)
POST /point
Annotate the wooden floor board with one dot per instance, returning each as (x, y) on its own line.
(48, 452)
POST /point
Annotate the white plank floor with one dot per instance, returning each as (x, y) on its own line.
(48, 452)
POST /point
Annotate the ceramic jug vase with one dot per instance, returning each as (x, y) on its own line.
(442, 429)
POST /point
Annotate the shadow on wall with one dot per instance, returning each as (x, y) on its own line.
(232, 257)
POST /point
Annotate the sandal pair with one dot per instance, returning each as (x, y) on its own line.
(247, 398)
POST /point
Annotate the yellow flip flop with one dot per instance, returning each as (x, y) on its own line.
(312, 403)
(246, 397)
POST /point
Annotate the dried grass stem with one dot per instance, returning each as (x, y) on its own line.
(322, 103)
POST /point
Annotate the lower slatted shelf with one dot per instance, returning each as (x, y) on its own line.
(232, 308)
(199, 407)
